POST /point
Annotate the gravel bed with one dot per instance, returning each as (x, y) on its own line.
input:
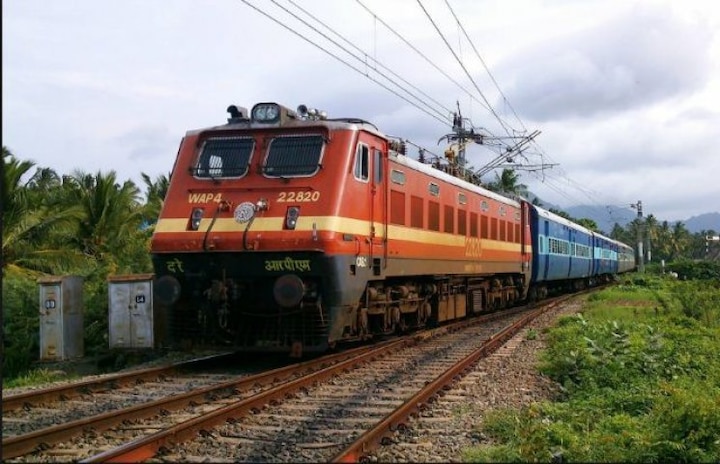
(507, 379)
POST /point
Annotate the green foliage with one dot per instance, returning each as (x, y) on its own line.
(21, 333)
(83, 224)
(37, 377)
(700, 302)
(696, 270)
(642, 387)
(532, 334)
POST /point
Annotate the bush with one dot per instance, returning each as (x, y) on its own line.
(21, 332)
(696, 270)
(639, 389)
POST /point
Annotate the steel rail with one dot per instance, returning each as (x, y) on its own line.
(23, 444)
(384, 429)
(147, 447)
(71, 390)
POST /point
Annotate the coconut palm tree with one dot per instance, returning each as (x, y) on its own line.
(111, 213)
(679, 241)
(34, 227)
(154, 196)
(508, 183)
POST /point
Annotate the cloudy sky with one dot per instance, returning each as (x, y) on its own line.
(626, 94)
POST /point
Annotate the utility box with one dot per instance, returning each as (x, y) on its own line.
(130, 308)
(61, 318)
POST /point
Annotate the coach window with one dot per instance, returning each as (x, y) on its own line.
(362, 162)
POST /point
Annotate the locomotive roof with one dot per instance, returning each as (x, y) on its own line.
(429, 170)
(329, 124)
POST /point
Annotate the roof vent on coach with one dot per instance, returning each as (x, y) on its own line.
(237, 114)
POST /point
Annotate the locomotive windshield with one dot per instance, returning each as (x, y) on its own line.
(293, 156)
(224, 157)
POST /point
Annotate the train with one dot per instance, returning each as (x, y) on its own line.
(287, 231)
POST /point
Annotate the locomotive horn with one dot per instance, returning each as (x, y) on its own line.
(302, 110)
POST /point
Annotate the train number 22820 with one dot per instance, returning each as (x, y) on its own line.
(299, 197)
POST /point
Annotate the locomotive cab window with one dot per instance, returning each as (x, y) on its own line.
(362, 162)
(293, 156)
(224, 157)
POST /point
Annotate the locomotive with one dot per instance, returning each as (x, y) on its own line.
(285, 230)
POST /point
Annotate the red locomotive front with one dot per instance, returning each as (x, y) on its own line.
(285, 230)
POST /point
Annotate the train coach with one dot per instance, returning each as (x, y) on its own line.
(569, 257)
(284, 230)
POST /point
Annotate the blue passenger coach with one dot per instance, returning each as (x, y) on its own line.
(605, 257)
(626, 258)
(562, 253)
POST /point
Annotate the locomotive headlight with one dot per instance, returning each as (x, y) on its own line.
(266, 112)
(196, 217)
(291, 217)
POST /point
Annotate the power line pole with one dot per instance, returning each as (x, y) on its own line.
(640, 225)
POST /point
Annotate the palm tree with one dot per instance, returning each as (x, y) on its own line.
(154, 196)
(679, 241)
(663, 238)
(111, 213)
(508, 184)
(33, 226)
(620, 234)
(588, 224)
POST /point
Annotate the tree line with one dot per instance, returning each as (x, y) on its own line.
(661, 240)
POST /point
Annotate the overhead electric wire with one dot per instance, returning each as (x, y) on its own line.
(346, 63)
(497, 86)
(448, 110)
(441, 115)
(422, 55)
(467, 73)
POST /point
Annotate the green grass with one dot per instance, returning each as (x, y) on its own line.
(641, 375)
(37, 377)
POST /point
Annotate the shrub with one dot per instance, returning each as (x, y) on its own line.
(21, 333)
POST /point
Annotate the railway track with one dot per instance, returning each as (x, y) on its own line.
(338, 407)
